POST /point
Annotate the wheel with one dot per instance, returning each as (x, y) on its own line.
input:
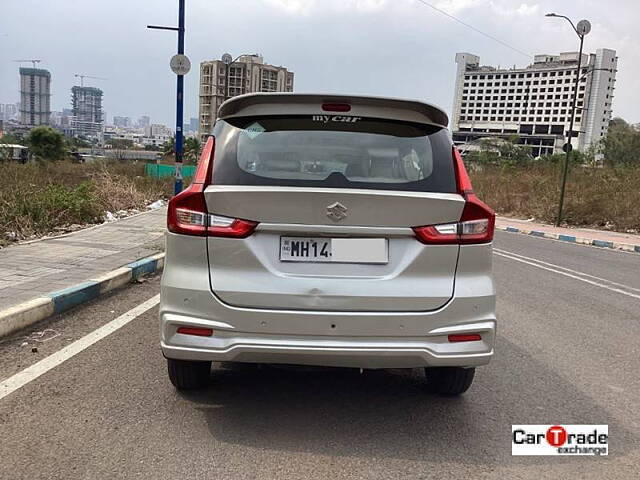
(188, 375)
(449, 380)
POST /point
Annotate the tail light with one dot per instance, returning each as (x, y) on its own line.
(477, 221)
(187, 212)
(197, 331)
(464, 337)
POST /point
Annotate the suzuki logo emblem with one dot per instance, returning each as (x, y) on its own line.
(336, 211)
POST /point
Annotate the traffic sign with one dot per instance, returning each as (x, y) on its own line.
(180, 64)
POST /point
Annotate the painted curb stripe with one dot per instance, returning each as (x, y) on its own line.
(570, 238)
(75, 295)
(602, 243)
(141, 267)
(566, 238)
(25, 314)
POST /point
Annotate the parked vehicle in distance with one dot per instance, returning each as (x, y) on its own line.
(329, 230)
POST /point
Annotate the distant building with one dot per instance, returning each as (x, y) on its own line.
(87, 116)
(9, 111)
(156, 135)
(193, 124)
(248, 74)
(123, 122)
(144, 121)
(35, 96)
(534, 103)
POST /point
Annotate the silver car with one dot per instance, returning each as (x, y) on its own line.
(329, 230)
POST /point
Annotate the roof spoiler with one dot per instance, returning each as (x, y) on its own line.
(260, 104)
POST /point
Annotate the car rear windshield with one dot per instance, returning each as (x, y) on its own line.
(334, 151)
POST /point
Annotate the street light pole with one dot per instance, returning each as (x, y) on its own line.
(228, 61)
(581, 30)
(180, 66)
(179, 103)
(569, 136)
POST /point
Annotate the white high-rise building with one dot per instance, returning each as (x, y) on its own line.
(246, 75)
(534, 102)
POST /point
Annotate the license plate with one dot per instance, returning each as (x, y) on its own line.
(334, 250)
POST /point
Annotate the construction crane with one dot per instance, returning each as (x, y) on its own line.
(33, 61)
(82, 77)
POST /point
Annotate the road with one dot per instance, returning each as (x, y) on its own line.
(567, 352)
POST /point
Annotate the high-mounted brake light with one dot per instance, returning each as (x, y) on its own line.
(187, 212)
(477, 221)
(336, 107)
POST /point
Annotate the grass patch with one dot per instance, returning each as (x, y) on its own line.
(38, 198)
(595, 197)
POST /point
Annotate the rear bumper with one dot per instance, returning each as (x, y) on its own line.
(229, 346)
(326, 338)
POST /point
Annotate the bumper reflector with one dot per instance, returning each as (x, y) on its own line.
(465, 337)
(200, 332)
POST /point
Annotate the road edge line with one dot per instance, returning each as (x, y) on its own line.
(23, 377)
(627, 247)
(25, 314)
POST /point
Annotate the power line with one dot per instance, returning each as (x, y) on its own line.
(474, 28)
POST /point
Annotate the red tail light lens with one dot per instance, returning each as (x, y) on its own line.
(230, 227)
(197, 331)
(187, 212)
(463, 182)
(464, 337)
(205, 164)
(477, 222)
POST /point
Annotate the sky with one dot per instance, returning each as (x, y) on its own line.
(399, 48)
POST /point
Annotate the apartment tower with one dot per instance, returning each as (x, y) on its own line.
(247, 74)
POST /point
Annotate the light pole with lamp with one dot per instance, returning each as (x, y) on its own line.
(228, 60)
(180, 65)
(582, 28)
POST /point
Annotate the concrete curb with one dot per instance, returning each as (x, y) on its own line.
(627, 247)
(25, 314)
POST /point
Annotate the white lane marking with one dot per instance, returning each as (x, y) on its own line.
(29, 374)
(570, 275)
(577, 272)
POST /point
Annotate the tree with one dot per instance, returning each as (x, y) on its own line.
(46, 143)
(120, 143)
(76, 142)
(500, 151)
(169, 147)
(621, 145)
(191, 149)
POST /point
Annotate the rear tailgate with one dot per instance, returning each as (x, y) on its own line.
(411, 276)
(336, 197)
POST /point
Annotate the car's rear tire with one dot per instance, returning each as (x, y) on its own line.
(449, 380)
(188, 375)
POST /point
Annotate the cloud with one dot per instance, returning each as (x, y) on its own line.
(306, 7)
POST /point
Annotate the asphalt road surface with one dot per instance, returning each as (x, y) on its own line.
(567, 352)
